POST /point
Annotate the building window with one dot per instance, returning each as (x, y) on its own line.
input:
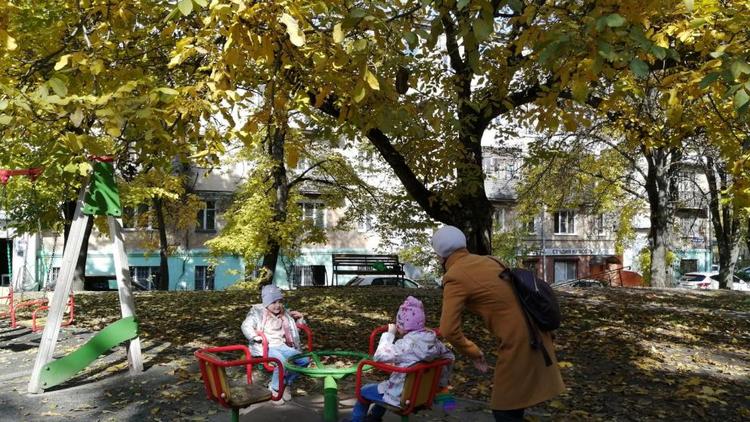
(688, 265)
(491, 166)
(565, 270)
(207, 217)
(309, 275)
(599, 228)
(146, 277)
(689, 194)
(499, 220)
(501, 168)
(565, 222)
(530, 226)
(365, 224)
(313, 212)
(137, 218)
(204, 277)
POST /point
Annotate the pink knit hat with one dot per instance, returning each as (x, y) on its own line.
(410, 315)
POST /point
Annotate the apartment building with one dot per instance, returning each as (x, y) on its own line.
(574, 243)
(559, 244)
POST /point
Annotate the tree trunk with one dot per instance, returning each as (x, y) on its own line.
(658, 188)
(280, 189)
(68, 210)
(163, 245)
(79, 275)
(724, 219)
(270, 259)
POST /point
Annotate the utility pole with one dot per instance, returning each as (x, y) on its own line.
(544, 252)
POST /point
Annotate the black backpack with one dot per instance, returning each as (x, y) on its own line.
(538, 303)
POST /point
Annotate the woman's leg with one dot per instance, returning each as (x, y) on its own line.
(508, 415)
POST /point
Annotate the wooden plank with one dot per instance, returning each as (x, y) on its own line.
(62, 291)
(125, 290)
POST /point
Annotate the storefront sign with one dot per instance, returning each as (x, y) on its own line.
(573, 251)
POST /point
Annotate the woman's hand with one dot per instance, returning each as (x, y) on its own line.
(480, 363)
(296, 314)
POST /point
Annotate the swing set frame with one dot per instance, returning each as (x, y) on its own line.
(13, 304)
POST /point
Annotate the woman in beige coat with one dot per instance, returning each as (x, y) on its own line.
(472, 282)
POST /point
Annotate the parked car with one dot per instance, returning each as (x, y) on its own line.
(709, 280)
(587, 282)
(381, 280)
(743, 273)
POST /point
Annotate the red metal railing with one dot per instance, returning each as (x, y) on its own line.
(264, 343)
(211, 375)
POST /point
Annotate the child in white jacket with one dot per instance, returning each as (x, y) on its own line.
(417, 344)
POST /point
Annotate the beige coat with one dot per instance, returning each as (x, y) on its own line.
(521, 378)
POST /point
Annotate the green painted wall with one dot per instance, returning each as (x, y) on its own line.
(227, 270)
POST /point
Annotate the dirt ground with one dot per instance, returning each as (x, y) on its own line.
(625, 354)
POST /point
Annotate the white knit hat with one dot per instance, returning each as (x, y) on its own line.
(447, 240)
(270, 294)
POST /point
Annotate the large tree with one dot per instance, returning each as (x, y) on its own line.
(422, 82)
(92, 78)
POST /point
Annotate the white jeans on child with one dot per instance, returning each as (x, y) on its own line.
(282, 353)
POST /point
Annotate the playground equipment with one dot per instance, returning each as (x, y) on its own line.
(5, 175)
(12, 306)
(330, 374)
(264, 341)
(101, 197)
(216, 382)
(13, 301)
(421, 387)
(380, 330)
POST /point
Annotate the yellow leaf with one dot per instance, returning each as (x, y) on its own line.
(321, 97)
(296, 36)
(84, 168)
(62, 62)
(580, 90)
(292, 156)
(185, 6)
(97, 67)
(694, 381)
(557, 404)
(338, 34)
(10, 43)
(371, 80)
(359, 93)
(564, 364)
(709, 391)
(76, 117)
(58, 86)
(114, 131)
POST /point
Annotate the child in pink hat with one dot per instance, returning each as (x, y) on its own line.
(416, 344)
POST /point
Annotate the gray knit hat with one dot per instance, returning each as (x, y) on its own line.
(270, 294)
(447, 240)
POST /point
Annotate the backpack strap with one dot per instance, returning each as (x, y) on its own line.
(534, 336)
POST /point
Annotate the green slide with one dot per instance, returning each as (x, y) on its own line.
(60, 370)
